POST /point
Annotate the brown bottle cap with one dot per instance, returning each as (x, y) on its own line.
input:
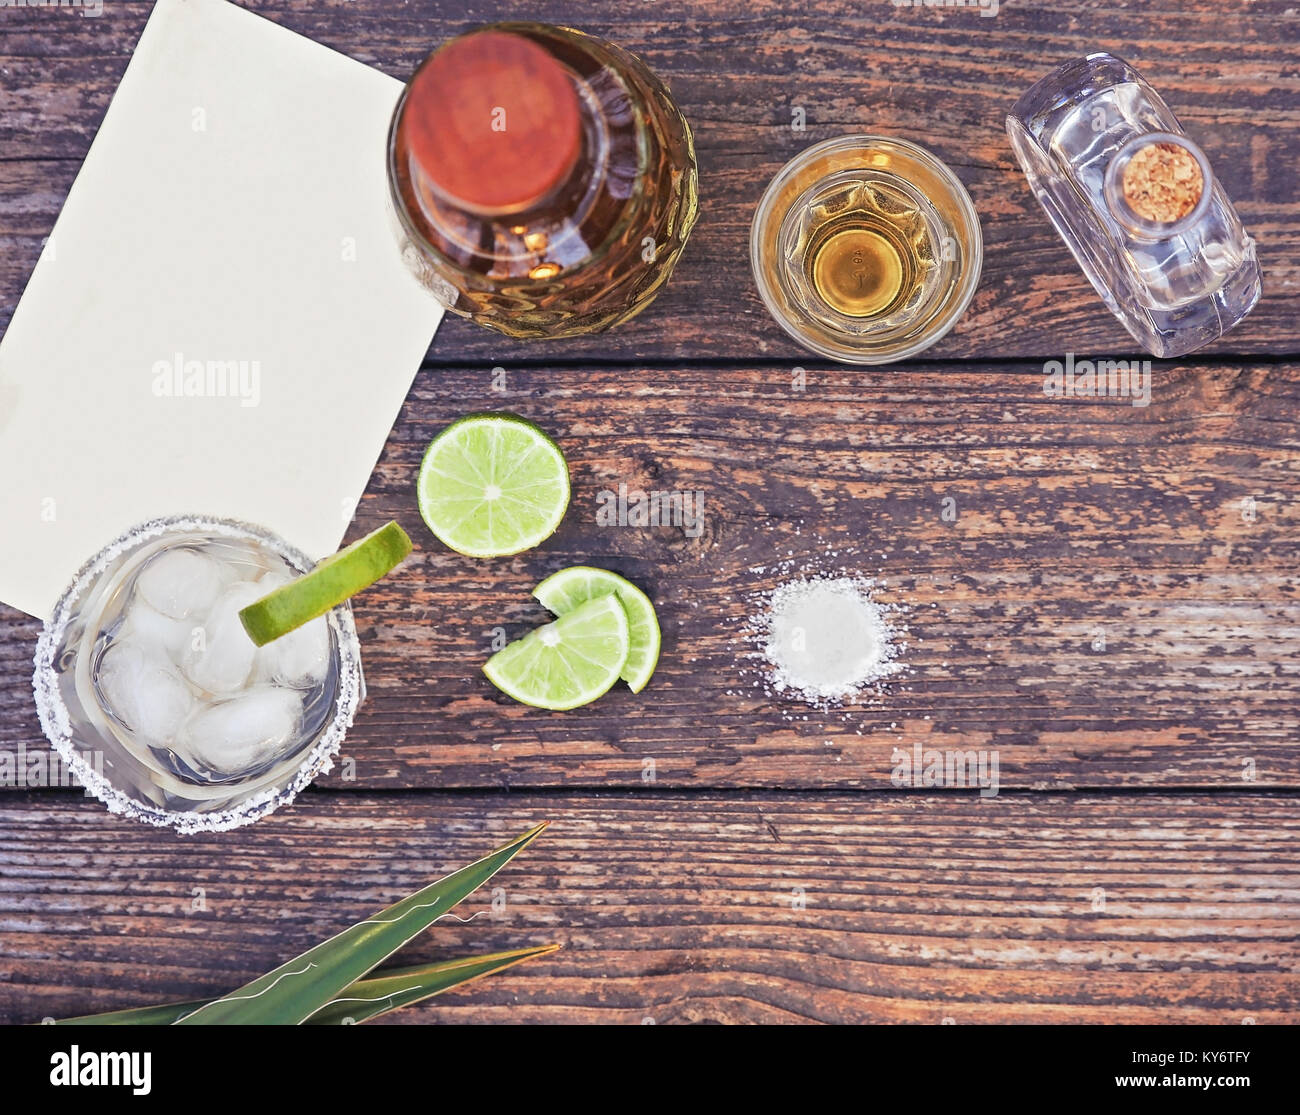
(493, 121)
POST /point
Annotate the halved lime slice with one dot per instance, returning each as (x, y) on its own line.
(493, 484)
(332, 581)
(561, 592)
(567, 663)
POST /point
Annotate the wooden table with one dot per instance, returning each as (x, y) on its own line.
(1110, 603)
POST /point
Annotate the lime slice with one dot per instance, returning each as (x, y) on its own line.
(332, 581)
(493, 484)
(561, 592)
(567, 663)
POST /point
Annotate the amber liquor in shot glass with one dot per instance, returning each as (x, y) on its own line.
(866, 249)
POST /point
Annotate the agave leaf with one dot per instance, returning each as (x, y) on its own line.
(372, 997)
(295, 991)
(367, 998)
(162, 1015)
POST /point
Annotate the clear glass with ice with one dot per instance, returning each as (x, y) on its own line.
(150, 689)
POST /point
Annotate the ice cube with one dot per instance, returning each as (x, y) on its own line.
(236, 735)
(181, 583)
(144, 691)
(300, 658)
(151, 628)
(220, 655)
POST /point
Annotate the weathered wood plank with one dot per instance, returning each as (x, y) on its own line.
(739, 68)
(1114, 603)
(691, 908)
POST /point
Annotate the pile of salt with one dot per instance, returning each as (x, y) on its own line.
(827, 639)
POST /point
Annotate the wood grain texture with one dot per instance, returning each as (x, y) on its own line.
(1169, 532)
(738, 67)
(1113, 609)
(692, 908)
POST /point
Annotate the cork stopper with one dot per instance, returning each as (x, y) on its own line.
(493, 121)
(1162, 182)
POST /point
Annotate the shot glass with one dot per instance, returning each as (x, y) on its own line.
(866, 249)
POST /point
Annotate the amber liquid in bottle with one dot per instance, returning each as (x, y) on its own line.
(543, 181)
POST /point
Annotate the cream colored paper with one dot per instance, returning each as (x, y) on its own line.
(228, 234)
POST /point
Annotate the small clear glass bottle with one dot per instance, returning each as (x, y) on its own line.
(1137, 203)
(543, 180)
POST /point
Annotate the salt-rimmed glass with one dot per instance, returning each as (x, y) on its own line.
(145, 784)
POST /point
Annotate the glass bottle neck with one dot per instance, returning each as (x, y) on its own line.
(1148, 225)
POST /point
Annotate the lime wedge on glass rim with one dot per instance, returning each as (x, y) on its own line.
(561, 592)
(331, 582)
(492, 485)
(567, 663)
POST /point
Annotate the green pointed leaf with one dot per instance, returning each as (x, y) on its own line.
(377, 995)
(163, 1015)
(359, 1002)
(295, 991)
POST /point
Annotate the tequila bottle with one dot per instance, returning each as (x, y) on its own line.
(542, 180)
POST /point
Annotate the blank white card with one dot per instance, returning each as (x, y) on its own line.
(221, 322)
